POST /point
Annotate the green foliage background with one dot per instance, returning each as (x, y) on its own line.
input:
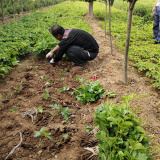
(31, 33)
(142, 50)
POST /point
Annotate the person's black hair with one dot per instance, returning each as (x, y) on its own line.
(56, 29)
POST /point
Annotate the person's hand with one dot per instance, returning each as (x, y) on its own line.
(52, 61)
(153, 10)
(49, 55)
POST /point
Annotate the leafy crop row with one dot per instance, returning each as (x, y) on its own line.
(121, 135)
(142, 8)
(142, 51)
(31, 33)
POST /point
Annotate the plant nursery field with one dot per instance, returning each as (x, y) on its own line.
(49, 112)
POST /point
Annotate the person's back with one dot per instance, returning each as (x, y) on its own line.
(77, 44)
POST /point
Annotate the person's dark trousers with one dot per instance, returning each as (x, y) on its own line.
(156, 25)
(79, 56)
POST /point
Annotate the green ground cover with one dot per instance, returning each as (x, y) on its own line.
(142, 7)
(31, 33)
(142, 50)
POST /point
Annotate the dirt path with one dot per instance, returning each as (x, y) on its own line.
(110, 74)
(25, 86)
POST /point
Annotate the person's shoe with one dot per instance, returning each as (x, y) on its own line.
(80, 68)
(156, 42)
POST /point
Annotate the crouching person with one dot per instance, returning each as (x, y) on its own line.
(78, 45)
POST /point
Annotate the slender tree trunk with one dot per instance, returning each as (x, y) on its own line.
(2, 12)
(13, 9)
(105, 17)
(91, 9)
(130, 12)
(110, 27)
(21, 7)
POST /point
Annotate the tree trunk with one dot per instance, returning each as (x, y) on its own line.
(91, 9)
(130, 11)
(105, 17)
(13, 9)
(110, 27)
(21, 7)
(2, 12)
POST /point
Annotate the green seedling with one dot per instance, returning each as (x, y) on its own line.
(1, 96)
(88, 128)
(48, 83)
(41, 132)
(17, 88)
(40, 109)
(65, 112)
(43, 78)
(14, 109)
(35, 67)
(63, 71)
(81, 80)
(46, 95)
(64, 89)
(91, 92)
(55, 106)
(110, 94)
(62, 79)
(64, 135)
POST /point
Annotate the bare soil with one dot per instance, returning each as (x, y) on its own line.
(25, 86)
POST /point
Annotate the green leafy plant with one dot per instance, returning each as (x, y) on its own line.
(110, 94)
(80, 80)
(88, 128)
(91, 92)
(121, 135)
(40, 108)
(48, 83)
(43, 78)
(62, 79)
(41, 132)
(17, 88)
(63, 71)
(64, 89)
(64, 136)
(55, 106)
(14, 109)
(65, 112)
(46, 95)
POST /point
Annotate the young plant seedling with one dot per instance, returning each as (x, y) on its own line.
(46, 95)
(65, 112)
(55, 106)
(64, 89)
(40, 109)
(88, 128)
(110, 94)
(64, 136)
(43, 78)
(81, 80)
(62, 79)
(41, 132)
(63, 71)
(14, 109)
(91, 92)
(48, 83)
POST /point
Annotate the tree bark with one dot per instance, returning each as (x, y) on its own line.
(91, 9)
(21, 7)
(110, 27)
(13, 9)
(130, 12)
(2, 12)
(105, 17)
